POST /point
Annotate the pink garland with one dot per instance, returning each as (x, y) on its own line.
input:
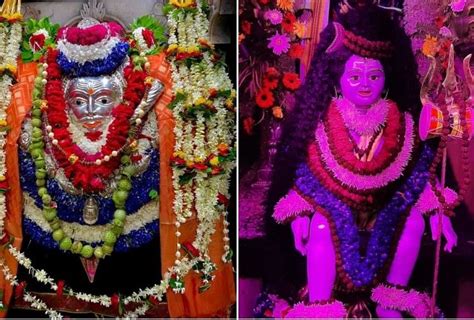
(366, 182)
(90, 35)
(291, 206)
(413, 302)
(332, 310)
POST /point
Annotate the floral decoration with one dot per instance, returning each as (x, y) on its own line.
(204, 131)
(10, 39)
(355, 271)
(37, 36)
(271, 37)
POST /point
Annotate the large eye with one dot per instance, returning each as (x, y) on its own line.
(78, 102)
(104, 100)
(374, 77)
(354, 77)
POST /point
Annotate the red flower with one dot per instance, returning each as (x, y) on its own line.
(264, 2)
(296, 51)
(4, 185)
(149, 37)
(189, 248)
(264, 98)
(223, 199)
(270, 83)
(19, 289)
(153, 300)
(60, 289)
(248, 124)
(272, 73)
(5, 239)
(272, 77)
(93, 136)
(291, 81)
(37, 42)
(115, 299)
(288, 20)
(223, 149)
(246, 27)
(439, 21)
(200, 166)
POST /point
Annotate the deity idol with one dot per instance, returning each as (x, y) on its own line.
(357, 171)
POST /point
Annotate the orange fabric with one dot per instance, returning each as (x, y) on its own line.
(19, 107)
(222, 292)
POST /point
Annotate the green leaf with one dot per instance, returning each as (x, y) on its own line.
(27, 56)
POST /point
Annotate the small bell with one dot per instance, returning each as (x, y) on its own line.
(91, 211)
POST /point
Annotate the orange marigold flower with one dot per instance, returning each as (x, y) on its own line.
(299, 29)
(430, 46)
(285, 4)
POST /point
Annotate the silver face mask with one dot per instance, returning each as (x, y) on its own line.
(90, 100)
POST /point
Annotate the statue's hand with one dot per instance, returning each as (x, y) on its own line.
(300, 228)
(446, 229)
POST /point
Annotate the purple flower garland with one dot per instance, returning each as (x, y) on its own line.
(363, 270)
(96, 67)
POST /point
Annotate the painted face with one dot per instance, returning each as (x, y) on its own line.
(363, 81)
(91, 101)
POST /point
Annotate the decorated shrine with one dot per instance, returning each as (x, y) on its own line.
(117, 148)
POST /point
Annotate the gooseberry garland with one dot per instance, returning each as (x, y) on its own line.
(46, 72)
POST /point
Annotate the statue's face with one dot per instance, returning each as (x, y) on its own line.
(363, 81)
(91, 101)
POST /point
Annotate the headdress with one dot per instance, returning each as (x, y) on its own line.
(367, 42)
(92, 48)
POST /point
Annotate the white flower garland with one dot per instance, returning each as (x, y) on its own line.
(34, 301)
(82, 54)
(10, 38)
(91, 234)
(197, 139)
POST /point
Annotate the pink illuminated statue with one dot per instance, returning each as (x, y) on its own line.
(360, 180)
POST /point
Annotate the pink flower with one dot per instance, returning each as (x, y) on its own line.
(279, 43)
(274, 16)
(458, 5)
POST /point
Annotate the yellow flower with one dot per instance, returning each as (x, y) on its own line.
(149, 80)
(3, 178)
(189, 163)
(178, 154)
(229, 103)
(73, 158)
(200, 101)
(214, 161)
(3, 123)
(285, 4)
(430, 46)
(182, 3)
(233, 93)
(172, 48)
(299, 29)
(193, 49)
